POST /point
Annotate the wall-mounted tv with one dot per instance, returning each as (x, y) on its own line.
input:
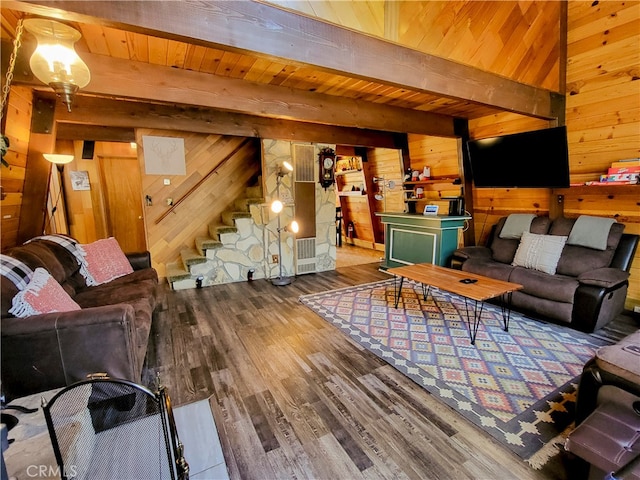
(536, 159)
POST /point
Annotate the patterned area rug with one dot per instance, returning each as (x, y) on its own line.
(519, 386)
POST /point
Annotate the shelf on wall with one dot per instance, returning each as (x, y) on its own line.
(352, 193)
(434, 180)
(345, 172)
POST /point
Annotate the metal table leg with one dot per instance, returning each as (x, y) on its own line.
(506, 310)
(397, 291)
(477, 315)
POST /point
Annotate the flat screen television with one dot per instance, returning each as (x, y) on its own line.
(536, 159)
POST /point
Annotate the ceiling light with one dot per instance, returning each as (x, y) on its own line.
(55, 62)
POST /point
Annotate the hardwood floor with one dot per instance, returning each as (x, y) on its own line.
(293, 397)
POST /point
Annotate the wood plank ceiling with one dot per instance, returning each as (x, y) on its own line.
(305, 60)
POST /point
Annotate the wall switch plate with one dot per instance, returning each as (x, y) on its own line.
(636, 309)
(167, 181)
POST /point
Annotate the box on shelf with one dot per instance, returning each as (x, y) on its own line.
(620, 177)
(614, 170)
(630, 162)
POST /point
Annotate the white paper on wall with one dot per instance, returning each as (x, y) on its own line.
(164, 155)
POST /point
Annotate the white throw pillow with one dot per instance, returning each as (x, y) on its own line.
(540, 252)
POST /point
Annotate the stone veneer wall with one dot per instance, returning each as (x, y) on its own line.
(274, 152)
(256, 241)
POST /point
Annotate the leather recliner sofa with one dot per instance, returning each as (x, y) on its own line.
(108, 335)
(588, 289)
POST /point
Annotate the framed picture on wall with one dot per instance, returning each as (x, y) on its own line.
(80, 180)
(164, 155)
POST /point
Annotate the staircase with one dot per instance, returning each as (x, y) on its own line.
(233, 250)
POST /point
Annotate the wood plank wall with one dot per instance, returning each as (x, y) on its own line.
(603, 123)
(520, 40)
(189, 220)
(12, 178)
(603, 112)
(441, 156)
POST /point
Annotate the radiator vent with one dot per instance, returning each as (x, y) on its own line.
(304, 161)
(305, 255)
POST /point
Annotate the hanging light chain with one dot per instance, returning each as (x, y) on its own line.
(12, 64)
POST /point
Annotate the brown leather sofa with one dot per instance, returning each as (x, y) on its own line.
(607, 433)
(588, 289)
(108, 335)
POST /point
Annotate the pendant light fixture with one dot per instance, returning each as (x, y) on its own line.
(55, 61)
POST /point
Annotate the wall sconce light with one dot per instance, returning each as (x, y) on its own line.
(55, 61)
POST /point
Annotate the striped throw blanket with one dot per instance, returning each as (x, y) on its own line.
(16, 271)
(72, 246)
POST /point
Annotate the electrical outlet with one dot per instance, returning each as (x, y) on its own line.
(636, 309)
(275, 259)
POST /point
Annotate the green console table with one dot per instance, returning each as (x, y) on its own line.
(414, 238)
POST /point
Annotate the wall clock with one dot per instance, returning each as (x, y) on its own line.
(327, 159)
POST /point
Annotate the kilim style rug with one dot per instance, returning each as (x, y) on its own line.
(519, 386)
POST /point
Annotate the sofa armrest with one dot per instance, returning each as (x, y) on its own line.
(465, 253)
(139, 260)
(52, 350)
(604, 277)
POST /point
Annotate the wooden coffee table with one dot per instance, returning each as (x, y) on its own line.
(470, 286)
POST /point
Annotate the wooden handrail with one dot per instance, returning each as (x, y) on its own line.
(202, 180)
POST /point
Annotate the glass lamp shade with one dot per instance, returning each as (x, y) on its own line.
(294, 227)
(277, 206)
(58, 158)
(55, 62)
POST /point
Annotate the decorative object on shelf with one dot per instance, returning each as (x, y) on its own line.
(55, 61)
(382, 186)
(276, 207)
(327, 158)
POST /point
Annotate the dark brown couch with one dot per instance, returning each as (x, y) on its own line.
(108, 335)
(588, 289)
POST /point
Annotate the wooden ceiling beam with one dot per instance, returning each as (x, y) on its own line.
(138, 80)
(93, 116)
(264, 30)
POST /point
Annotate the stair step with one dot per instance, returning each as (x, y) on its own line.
(216, 230)
(228, 218)
(243, 204)
(254, 192)
(190, 256)
(175, 272)
(206, 243)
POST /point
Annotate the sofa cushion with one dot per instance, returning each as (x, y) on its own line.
(488, 268)
(576, 259)
(123, 292)
(105, 261)
(516, 224)
(542, 308)
(592, 232)
(559, 288)
(622, 359)
(504, 249)
(539, 252)
(42, 295)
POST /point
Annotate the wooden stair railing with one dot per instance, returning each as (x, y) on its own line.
(202, 180)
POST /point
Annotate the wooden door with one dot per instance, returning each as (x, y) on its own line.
(121, 186)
